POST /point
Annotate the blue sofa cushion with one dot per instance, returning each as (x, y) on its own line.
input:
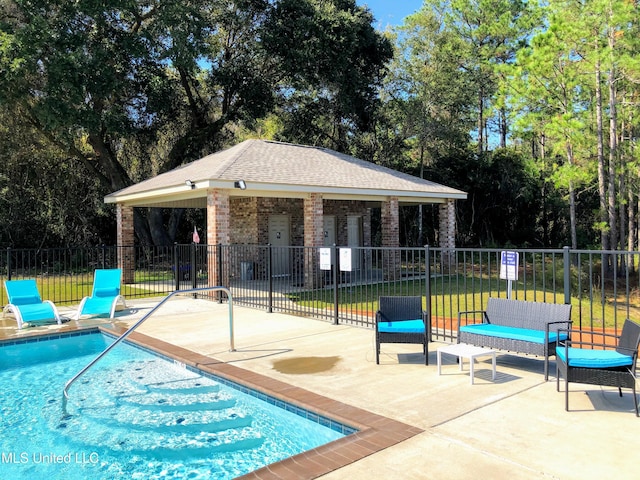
(579, 357)
(403, 326)
(512, 333)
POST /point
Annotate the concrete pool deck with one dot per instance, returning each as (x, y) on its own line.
(514, 427)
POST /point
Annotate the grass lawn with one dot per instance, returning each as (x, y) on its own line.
(450, 295)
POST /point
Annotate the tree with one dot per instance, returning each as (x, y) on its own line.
(335, 60)
(426, 95)
(503, 203)
(45, 207)
(491, 32)
(130, 89)
(596, 53)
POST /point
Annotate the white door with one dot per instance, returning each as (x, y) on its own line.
(354, 239)
(279, 238)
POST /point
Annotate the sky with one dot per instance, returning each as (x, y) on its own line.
(391, 12)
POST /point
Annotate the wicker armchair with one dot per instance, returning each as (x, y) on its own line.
(402, 320)
(598, 363)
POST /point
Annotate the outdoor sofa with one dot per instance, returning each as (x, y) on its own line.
(516, 326)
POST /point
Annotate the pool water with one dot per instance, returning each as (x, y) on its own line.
(137, 415)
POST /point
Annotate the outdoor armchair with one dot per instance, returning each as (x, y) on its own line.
(401, 320)
(25, 303)
(600, 363)
(105, 295)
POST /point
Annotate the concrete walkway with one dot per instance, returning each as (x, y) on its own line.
(513, 428)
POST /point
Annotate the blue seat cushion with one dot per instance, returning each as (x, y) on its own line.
(581, 357)
(402, 326)
(512, 333)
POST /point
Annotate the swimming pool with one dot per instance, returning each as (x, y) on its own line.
(138, 415)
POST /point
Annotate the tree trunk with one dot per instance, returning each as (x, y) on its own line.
(632, 199)
(613, 152)
(420, 207)
(572, 201)
(503, 128)
(480, 121)
(602, 188)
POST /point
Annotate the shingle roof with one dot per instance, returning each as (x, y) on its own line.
(268, 166)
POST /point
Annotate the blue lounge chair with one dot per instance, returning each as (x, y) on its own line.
(105, 295)
(26, 304)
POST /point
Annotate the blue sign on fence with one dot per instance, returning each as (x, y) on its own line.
(509, 265)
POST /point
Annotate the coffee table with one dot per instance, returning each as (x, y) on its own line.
(471, 352)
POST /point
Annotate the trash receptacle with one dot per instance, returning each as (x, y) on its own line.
(246, 270)
(183, 273)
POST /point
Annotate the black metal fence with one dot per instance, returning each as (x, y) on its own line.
(342, 285)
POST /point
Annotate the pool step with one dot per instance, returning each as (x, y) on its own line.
(167, 442)
(185, 402)
(190, 451)
(156, 410)
(169, 422)
(183, 387)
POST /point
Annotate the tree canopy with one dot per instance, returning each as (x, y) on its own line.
(127, 89)
(531, 108)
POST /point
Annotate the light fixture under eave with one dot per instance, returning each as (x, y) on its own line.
(189, 183)
(240, 184)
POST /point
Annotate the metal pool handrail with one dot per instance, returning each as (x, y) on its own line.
(65, 392)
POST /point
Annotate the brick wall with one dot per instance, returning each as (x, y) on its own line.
(249, 224)
(293, 207)
(342, 209)
(243, 226)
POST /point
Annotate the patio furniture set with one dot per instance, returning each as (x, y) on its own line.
(517, 326)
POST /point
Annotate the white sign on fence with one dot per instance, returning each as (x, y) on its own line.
(325, 259)
(345, 259)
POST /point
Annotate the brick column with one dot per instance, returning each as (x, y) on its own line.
(390, 223)
(447, 234)
(218, 215)
(447, 213)
(125, 242)
(390, 213)
(313, 238)
(366, 229)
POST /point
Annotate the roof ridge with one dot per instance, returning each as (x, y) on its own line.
(235, 158)
(277, 142)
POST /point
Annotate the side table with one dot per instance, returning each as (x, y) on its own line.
(471, 352)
